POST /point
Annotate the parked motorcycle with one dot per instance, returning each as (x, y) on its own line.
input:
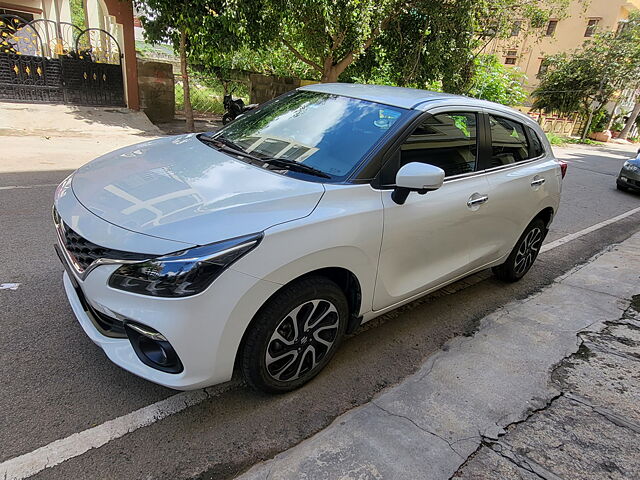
(234, 108)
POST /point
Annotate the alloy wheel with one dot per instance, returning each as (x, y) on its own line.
(528, 251)
(302, 339)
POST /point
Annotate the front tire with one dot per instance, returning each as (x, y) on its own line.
(227, 118)
(523, 254)
(294, 335)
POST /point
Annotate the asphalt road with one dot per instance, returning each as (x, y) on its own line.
(55, 382)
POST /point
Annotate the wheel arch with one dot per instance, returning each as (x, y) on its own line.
(546, 215)
(341, 276)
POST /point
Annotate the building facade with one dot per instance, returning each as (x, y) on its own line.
(526, 49)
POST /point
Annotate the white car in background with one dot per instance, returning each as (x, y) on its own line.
(260, 246)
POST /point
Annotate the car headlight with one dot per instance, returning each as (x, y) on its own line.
(183, 273)
(630, 166)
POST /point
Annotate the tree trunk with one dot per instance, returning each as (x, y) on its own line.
(632, 119)
(329, 75)
(587, 126)
(188, 110)
(613, 114)
(331, 70)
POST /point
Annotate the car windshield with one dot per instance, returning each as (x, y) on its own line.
(330, 133)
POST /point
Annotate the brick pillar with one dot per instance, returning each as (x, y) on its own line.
(122, 10)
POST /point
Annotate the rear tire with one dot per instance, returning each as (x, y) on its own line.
(523, 254)
(294, 335)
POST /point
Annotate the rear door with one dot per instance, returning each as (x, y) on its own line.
(521, 177)
(426, 240)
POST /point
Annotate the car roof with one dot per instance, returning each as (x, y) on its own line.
(409, 98)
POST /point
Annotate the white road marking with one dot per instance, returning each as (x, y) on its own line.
(24, 466)
(585, 231)
(76, 444)
(14, 187)
(9, 286)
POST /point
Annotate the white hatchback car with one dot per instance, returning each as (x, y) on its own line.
(260, 246)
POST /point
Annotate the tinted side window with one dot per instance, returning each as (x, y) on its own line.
(446, 140)
(536, 148)
(509, 143)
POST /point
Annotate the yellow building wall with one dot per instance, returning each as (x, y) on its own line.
(569, 34)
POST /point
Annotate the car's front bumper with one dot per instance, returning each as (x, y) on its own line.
(205, 330)
(629, 179)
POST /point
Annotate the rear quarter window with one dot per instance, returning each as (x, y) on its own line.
(535, 148)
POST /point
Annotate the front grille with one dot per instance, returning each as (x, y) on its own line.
(84, 252)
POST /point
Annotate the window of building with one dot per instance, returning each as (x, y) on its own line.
(509, 142)
(511, 57)
(515, 30)
(621, 26)
(446, 140)
(551, 28)
(542, 69)
(592, 25)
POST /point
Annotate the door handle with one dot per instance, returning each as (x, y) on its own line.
(537, 181)
(477, 199)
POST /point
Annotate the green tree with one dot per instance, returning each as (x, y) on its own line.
(413, 41)
(495, 82)
(190, 26)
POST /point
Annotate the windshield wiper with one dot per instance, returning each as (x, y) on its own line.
(229, 143)
(225, 145)
(222, 141)
(229, 146)
(296, 166)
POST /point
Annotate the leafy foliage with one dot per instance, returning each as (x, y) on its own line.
(77, 13)
(497, 83)
(404, 42)
(421, 43)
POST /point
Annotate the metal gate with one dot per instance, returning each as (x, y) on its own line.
(57, 62)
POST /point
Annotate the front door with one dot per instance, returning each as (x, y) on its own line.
(426, 240)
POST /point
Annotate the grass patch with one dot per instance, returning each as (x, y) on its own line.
(586, 141)
(556, 140)
(207, 97)
(560, 141)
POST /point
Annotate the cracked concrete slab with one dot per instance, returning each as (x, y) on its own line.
(489, 464)
(573, 441)
(591, 429)
(494, 378)
(475, 388)
(358, 449)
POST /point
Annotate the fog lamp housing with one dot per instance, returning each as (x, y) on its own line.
(152, 348)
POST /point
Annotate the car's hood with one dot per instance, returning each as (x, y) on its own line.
(635, 161)
(180, 189)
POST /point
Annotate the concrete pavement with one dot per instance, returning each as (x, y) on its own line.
(464, 399)
(41, 137)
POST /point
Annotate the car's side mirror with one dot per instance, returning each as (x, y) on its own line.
(416, 177)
